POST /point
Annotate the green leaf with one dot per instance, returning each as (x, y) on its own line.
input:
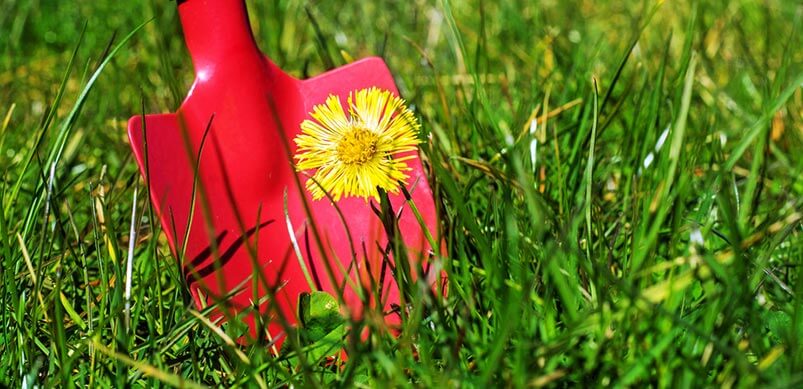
(321, 327)
(320, 315)
(779, 323)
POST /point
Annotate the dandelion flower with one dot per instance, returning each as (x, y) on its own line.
(355, 153)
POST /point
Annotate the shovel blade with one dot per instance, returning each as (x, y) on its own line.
(227, 194)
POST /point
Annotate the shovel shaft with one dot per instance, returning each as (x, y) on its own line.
(216, 30)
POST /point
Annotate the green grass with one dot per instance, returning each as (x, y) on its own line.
(584, 266)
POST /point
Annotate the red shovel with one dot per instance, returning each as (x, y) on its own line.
(218, 172)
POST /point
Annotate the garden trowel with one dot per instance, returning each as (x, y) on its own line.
(222, 181)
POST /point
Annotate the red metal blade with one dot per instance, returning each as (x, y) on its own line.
(224, 152)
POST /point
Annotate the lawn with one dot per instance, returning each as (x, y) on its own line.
(619, 189)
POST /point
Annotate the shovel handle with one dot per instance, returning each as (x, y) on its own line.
(216, 31)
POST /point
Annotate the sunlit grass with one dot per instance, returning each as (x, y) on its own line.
(645, 229)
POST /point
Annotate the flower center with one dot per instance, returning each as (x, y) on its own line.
(358, 146)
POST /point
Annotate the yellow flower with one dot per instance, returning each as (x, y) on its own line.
(357, 152)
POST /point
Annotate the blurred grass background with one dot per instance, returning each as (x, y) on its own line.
(646, 232)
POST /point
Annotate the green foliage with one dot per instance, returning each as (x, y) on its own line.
(645, 231)
(321, 327)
